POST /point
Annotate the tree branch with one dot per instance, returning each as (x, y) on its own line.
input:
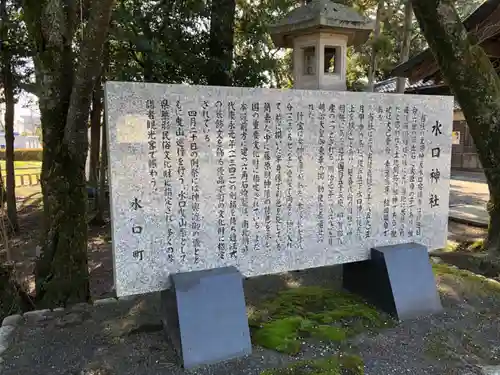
(96, 31)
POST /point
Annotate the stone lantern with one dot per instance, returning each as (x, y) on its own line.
(319, 33)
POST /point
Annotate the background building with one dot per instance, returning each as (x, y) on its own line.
(424, 77)
(21, 141)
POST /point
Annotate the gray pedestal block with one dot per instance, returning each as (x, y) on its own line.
(398, 279)
(205, 316)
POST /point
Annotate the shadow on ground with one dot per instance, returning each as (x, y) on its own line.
(126, 337)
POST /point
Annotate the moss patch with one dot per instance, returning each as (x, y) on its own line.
(466, 282)
(337, 365)
(299, 313)
(476, 246)
(446, 345)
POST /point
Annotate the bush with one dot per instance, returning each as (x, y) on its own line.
(25, 154)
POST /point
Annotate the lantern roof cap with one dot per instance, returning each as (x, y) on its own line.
(321, 15)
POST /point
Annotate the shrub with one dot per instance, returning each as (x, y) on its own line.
(25, 154)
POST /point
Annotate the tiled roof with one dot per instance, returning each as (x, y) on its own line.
(472, 22)
(389, 86)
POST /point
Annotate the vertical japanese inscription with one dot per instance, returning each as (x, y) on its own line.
(359, 178)
(420, 186)
(167, 175)
(135, 205)
(395, 173)
(412, 195)
(233, 243)
(321, 170)
(289, 198)
(435, 174)
(245, 231)
(206, 119)
(278, 136)
(332, 121)
(151, 125)
(256, 174)
(369, 174)
(195, 185)
(341, 163)
(300, 177)
(221, 183)
(267, 171)
(387, 168)
(350, 171)
(181, 172)
(403, 201)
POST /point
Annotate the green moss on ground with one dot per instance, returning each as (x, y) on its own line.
(446, 345)
(299, 313)
(336, 365)
(476, 246)
(436, 346)
(465, 281)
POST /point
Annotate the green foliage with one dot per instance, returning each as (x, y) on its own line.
(167, 42)
(315, 312)
(25, 154)
(257, 61)
(336, 365)
(159, 41)
(18, 47)
(389, 43)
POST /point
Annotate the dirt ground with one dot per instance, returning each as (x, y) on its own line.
(24, 246)
(116, 339)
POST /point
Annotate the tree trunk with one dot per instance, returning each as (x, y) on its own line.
(101, 196)
(469, 73)
(8, 89)
(13, 299)
(221, 44)
(95, 135)
(61, 271)
(3, 193)
(405, 44)
(373, 58)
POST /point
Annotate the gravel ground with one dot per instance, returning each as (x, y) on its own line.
(126, 337)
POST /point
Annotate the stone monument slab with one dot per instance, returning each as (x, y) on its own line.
(269, 180)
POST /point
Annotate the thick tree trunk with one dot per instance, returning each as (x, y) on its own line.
(8, 89)
(221, 42)
(95, 135)
(373, 58)
(469, 73)
(62, 271)
(405, 44)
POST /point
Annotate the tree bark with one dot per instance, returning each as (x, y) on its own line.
(61, 271)
(471, 77)
(95, 135)
(13, 299)
(3, 192)
(373, 58)
(101, 196)
(8, 89)
(221, 44)
(405, 45)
